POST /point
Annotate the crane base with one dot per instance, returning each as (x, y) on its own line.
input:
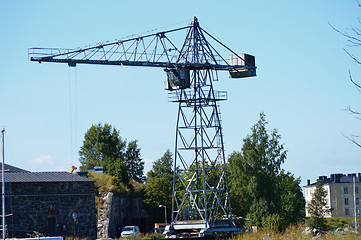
(199, 228)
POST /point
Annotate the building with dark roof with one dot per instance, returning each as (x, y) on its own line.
(9, 168)
(51, 203)
(341, 197)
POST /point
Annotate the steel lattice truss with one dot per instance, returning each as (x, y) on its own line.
(200, 178)
(200, 196)
(201, 200)
(153, 50)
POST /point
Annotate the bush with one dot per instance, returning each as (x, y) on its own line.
(272, 222)
(107, 183)
(153, 236)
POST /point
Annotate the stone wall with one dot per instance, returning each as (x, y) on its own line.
(115, 212)
(54, 209)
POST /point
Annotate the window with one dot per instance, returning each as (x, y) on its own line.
(358, 211)
(347, 212)
(356, 189)
(357, 201)
(346, 201)
(345, 190)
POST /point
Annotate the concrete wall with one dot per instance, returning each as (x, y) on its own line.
(338, 197)
(115, 212)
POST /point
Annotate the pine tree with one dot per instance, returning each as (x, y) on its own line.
(317, 207)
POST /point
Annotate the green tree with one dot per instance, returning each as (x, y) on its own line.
(258, 183)
(159, 186)
(259, 215)
(258, 210)
(253, 171)
(291, 199)
(103, 146)
(100, 142)
(162, 167)
(317, 207)
(133, 162)
(272, 222)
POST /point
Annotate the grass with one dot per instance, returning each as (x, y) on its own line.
(149, 236)
(76, 238)
(297, 233)
(291, 233)
(295, 236)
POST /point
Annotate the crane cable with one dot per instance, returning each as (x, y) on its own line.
(72, 121)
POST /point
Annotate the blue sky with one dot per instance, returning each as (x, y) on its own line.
(302, 84)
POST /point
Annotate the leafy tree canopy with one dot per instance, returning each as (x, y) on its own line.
(103, 146)
(159, 186)
(133, 162)
(258, 185)
(162, 167)
(258, 210)
(292, 207)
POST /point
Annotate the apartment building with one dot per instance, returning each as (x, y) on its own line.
(340, 194)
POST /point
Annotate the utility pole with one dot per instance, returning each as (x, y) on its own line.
(354, 201)
(3, 184)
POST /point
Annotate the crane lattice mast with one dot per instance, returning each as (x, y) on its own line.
(201, 202)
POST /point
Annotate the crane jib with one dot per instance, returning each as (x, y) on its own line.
(189, 66)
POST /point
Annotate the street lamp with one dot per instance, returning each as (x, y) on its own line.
(165, 212)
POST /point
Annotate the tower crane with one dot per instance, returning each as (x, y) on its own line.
(200, 202)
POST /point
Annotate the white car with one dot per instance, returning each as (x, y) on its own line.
(130, 231)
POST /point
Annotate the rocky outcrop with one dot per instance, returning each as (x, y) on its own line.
(115, 212)
(104, 212)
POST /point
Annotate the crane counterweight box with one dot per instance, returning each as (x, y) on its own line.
(177, 79)
(242, 60)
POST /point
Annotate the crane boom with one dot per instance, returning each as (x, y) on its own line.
(152, 50)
